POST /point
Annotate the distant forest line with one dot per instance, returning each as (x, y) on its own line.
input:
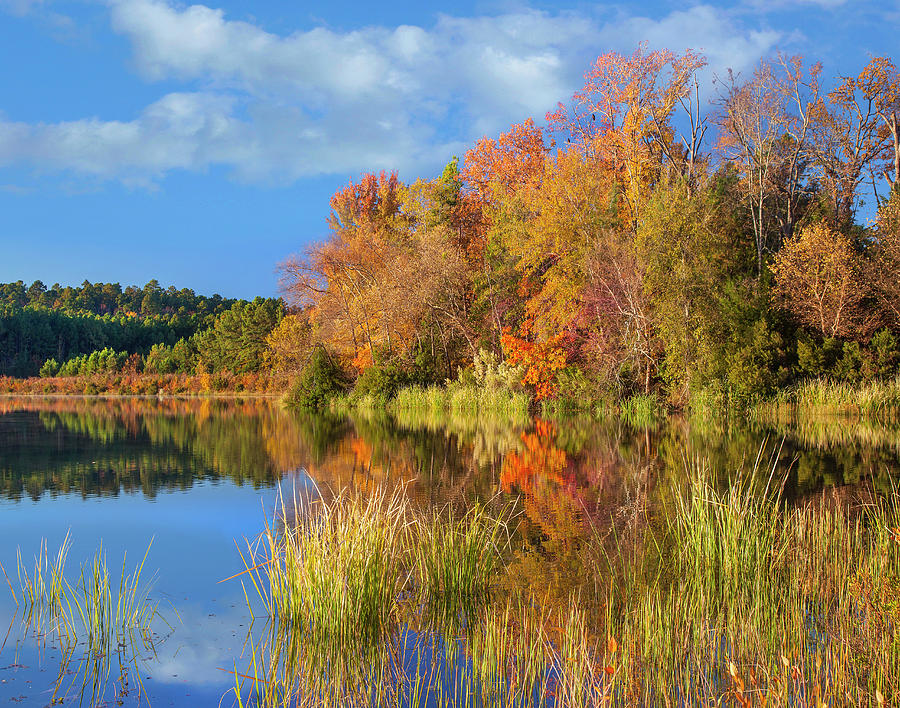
(103, 328)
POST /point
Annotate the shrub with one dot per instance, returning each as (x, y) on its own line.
(755, 366)
(491, 373)
(317, 385)
(885, 354)
(849, 367)
(379, 383)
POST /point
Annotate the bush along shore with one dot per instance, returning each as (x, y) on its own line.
(491, 389)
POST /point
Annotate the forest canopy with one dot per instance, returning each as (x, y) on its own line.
(653, 235)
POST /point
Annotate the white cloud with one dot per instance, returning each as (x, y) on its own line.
(702, 28)
(195, 131)
(285, 106)
(60, 25)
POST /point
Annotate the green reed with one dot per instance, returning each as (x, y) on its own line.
(464, 400)
(95, 619)
(340, 582)
(42, 591)
(456, 560)
(738, 600)
(874, 400)
(93, 609)
(641, 411)
(764, 605)
(336, 578)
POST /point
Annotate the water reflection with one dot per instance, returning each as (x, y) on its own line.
(104, 447)
(206, 464)
(101, 447)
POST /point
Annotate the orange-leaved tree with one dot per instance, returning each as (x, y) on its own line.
(542, 360)
(494, 167)
(494, 171)
(348, 280)
(552, 235)
(623, 114)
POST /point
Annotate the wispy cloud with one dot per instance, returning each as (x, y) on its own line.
(20, 8)
(790, 4)
(15, 189)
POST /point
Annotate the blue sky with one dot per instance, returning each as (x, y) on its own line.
(199, 144)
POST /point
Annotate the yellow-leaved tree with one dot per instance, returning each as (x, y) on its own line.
(819, 275)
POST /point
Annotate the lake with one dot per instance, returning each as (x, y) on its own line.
(191, 482)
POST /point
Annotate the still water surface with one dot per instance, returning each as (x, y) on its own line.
(190, 479)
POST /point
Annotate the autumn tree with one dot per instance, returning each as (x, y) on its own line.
(818, 275)
(396, 274)
(494, 171)
(683, 253)
(765, 128)
(550, 238)
(348, 279)
(850, 136)
(290, 343)
(881, 80)
(620, 344)
(623, 116)
(441, 265)
(494, 167)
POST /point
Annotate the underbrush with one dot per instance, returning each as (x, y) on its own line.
(129, 384)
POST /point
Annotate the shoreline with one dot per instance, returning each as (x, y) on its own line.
(145, 396)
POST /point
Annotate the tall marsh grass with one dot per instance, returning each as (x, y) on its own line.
(340, 582)
(877, 400)
(94, 609)
(460, 399)
(93, 618)
(336, 579)
(641, 411)
(736, 600)
(456, 561)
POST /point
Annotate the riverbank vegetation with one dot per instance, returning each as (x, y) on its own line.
(99, 338)
(876, 401)
(710, 594)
